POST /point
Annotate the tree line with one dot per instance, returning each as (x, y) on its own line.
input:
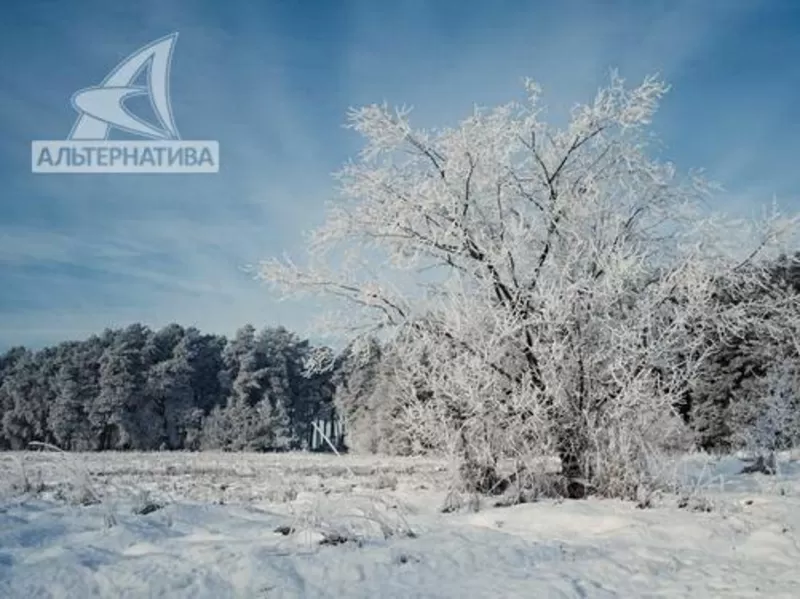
(174, 388)
(179, 389)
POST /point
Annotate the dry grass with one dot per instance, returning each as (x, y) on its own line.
(212, 477)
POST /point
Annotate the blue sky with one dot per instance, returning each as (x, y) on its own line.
(271, 81)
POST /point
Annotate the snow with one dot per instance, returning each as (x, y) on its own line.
(212, 532)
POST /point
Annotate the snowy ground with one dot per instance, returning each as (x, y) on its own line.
(212, 532)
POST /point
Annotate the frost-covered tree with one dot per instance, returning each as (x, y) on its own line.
(169, 405)
(278, 354)
(121, 391)
(733, 377)
(7, 364)
(19, 392)
(768, 420)
(67, 417)
(228, 425)
(370, 397)
(271, 401)
(204, 353)
(355, 376)
(553, 287)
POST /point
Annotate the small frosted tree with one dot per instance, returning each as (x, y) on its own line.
(552, 288)
(769, 421)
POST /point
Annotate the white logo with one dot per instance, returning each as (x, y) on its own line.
(102, 108)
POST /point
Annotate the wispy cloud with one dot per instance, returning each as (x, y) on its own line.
(272, 82)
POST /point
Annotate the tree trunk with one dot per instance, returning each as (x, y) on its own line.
(476, 474)
(572, 465)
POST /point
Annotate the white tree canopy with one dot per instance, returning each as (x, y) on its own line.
(550, 286)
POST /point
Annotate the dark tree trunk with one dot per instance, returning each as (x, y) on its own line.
(571, 454)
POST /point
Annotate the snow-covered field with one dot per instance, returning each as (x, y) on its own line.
(246, 525)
